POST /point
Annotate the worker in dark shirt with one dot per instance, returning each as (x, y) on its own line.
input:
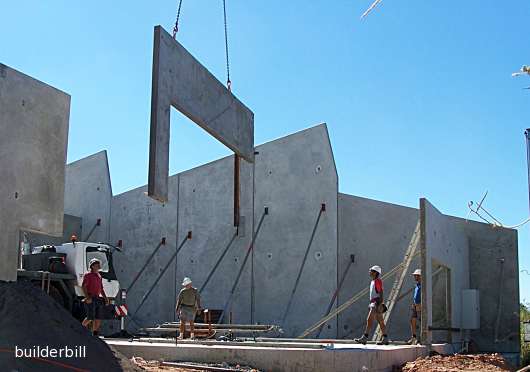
(415, 309)
(188, 303)
(95, 297)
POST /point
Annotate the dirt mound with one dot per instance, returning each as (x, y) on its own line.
(478, 362)
(31, 322)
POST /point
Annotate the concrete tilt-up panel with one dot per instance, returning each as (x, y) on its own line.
(33, 140)
(442, 242)
(179, 80)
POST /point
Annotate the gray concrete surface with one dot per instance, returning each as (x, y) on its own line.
(33, 139)
(494, 271)
(293, 176)
(179, 80)
(201, 202)
(377, 233)
(445, 243)
(282, 358)
(72, 225)
(88, 192)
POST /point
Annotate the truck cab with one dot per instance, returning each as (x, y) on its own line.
(64, 267)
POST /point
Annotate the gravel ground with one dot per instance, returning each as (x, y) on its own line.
(476, 362)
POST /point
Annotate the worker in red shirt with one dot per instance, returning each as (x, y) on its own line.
(376, 307)
(95, 297)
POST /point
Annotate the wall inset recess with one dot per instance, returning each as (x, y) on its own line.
(377, 233)
(33, 140)
(88, 192)
(444, 243)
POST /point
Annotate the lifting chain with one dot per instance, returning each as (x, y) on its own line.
(176, 28)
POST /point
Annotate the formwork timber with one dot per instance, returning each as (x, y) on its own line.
(282, 356)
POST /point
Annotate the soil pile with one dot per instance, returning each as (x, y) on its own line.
(33, 325)
(478, 362)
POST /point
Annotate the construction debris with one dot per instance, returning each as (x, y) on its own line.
(155, 366)
(478, 362)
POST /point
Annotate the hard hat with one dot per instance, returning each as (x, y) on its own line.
(417, 272)
(93, 261)
(186, 281)
(376, 269)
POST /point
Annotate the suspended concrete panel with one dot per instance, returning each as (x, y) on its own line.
(179, 80)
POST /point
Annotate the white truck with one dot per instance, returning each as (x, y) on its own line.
(60, 269)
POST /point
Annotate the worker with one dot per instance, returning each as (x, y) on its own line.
(188, 304)
(415, 313)
(95, 297)
(376, 307)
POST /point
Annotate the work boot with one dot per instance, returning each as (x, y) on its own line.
(361, 340)
(412, 341)
(384, 340)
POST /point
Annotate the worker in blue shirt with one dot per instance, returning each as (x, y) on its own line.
(415, 313)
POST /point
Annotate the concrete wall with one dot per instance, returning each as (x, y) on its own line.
(201, 201)
(444, 242)
(292, 176)
(377, 233)
(88, 192)
(33, 138)
(494, 271)
(72, 225)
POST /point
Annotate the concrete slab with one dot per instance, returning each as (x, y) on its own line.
(332, 357)
(33, 140)
(179, 80)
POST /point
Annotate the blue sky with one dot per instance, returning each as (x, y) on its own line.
(418, 97)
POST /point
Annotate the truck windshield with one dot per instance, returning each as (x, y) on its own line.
(103, 254)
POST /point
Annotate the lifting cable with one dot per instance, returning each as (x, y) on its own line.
(176, 28)
(228, 81)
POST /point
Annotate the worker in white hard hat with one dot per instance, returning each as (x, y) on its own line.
(415, 308)
(188, 304)
(376, 307)
(95, 297)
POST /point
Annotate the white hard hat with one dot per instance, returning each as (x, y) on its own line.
(417, 272)
(186, 281)
(93, 261)
(376, 269)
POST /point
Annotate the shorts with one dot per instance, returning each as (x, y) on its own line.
(377, 311)
(187, 313)
(94, 310)
(414, 312)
